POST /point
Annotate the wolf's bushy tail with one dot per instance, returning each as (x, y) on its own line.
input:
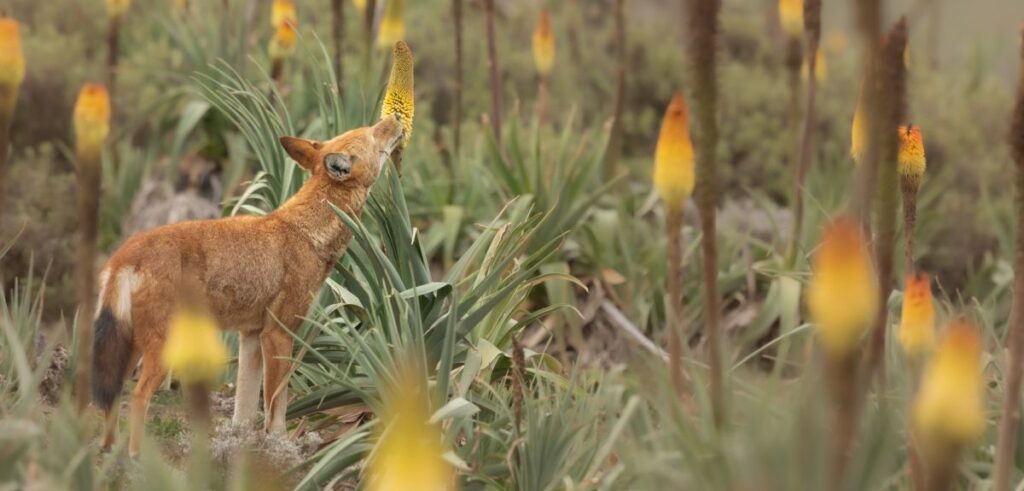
(111, 353)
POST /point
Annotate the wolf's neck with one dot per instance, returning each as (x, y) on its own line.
(310, 213)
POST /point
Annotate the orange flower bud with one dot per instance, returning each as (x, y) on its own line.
(392, 26)
(673, 157)
(194, 350)
(12, 64)
(117, 8)
(917, 321)
(282, 45)
(283, 12)
(91, 119)
(543, 44)
(949, 410)
(858, 133)
(410, 451)
(791, 14)
(843, 293)
(911, 157)
(820, 68)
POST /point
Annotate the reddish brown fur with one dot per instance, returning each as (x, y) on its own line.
(257, 273)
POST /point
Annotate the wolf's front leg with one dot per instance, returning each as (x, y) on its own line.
(277, 352)
(247, 385)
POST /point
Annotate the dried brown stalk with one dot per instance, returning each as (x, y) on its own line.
(492, 64)
(1009, 419)
(703, 30)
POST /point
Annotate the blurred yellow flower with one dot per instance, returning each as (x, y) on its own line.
(392, 26)
(91, 119)
(398, 98)
(194, 351)
(12, 66)
(820, 68)
(948, 410)
(543, 44)
(791, 15)
(917, 321)
(409, 454)
(117, 8)
(282, 45)
(911, 156)
(360, 5)
(858, 133)
(673, 156)
(283, 12)
(842, 297)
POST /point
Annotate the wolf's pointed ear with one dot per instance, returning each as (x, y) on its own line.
(301, 150)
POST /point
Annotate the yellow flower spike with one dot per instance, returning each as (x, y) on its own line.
(194, 351)
(543, 44)
(398, 99)
(360, 5)
(91, 119)
(858, 133)
(948, 411)
(117, 8)
(673, 156)
(283, 12)
(917, 321)
(282, 45)
(409, 454)
(12, 64)
(392, 26)
(791, 15)
(842, 296)
(820, 68)
(911, 158)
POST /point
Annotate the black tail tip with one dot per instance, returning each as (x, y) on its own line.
(111, 352)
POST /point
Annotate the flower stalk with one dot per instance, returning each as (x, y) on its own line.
(1009, 419)
(115, 13)
(457, 103)
(338, 30)
(492, 65)
(674, 181)
(544, 61)
(91, 125)
(890, 94)
(703, 31)
(811, 17)
(614, 149)
(911, 169)
(841, 300)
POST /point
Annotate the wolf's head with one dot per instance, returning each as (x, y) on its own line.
(353, 159)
